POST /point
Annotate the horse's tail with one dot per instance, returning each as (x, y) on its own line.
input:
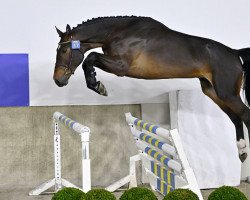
(245, 56)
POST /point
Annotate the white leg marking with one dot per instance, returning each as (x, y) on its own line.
(241, 144)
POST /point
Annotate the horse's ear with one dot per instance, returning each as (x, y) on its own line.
(68, 29)
(60, 33)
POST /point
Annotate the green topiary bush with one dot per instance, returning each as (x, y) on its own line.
(227, 193)
(181, 194)
(138, 194)
(69, 194)
(99, 194)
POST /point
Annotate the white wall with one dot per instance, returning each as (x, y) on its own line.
(28, 27)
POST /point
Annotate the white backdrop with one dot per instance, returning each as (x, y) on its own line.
(28, 26)
(209, 140)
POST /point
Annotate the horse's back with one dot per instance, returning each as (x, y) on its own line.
(159, 52)
(153, 51)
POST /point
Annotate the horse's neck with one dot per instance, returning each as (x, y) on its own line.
(97, 32)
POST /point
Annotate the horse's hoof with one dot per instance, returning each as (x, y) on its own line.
(243, 157)
(101, 89)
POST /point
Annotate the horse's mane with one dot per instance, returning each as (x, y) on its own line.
(102, 19)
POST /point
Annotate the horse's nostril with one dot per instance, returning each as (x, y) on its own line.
(57, 82)
(61, 83)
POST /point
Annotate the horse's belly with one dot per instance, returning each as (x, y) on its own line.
(147, 67)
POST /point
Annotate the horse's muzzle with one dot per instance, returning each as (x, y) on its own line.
(60, 77)
(59, 84)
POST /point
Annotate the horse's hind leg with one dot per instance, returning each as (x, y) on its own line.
(237, 106)
(208, 89)
(104, 62)
(228, 90)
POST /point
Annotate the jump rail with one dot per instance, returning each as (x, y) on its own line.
(163, 157)
(58, 181)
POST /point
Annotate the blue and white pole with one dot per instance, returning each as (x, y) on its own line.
(58, 182)
(84, 132)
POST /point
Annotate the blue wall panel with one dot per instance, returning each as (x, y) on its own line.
(14, 80)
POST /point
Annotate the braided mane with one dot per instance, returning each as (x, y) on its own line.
(101, 19)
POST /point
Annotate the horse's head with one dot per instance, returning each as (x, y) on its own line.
(69, 57)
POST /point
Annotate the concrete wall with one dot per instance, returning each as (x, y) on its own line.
(26, 144)
(157, 113)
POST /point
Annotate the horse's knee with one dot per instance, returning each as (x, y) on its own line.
(91, 58)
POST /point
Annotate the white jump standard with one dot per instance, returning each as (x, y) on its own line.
(163, 158)
(58, 181)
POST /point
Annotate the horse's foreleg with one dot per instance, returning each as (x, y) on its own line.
(90, 77)
(92, 83)
(104, 62)
(208, 89)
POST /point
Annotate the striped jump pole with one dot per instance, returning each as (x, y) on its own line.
(160, 157)
(165, 174)
(58, 182)
(160, 144)
(163, 157)
(148, 126)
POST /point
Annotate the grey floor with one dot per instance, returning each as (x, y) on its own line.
(22, 193)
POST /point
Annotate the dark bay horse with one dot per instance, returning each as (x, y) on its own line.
(141, 47)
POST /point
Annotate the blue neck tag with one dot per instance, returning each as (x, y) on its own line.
(75, 44)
